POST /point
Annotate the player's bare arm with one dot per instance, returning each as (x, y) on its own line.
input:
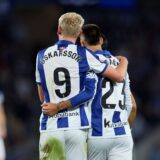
(40, 93)
(132, 116)
(53, 108)
(117, 74)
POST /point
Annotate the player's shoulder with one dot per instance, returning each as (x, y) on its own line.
(108, 54)
(111, 56)
(81, 48)
(42, 51)
(102, 55)
(82, 51)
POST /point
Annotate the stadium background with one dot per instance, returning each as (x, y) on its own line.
(132, 28)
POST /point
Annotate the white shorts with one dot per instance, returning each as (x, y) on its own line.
(2, 150)
(63, 145)
(110, 148)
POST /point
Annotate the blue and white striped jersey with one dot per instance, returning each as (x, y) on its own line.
(109, 115)
(61, 70)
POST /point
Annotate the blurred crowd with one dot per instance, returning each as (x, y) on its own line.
(134, 33)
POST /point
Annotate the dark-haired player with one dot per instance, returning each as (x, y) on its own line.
(110, 135)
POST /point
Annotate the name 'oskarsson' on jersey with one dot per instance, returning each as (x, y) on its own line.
(60, 53)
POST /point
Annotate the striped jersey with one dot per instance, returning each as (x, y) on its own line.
(109, 115)
(61, 70)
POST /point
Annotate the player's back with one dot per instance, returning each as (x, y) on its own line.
(108, 109)
(61, 71)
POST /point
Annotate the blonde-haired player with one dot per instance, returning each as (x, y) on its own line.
(70, 24)
(61, 73)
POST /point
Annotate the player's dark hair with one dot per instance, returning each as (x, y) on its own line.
(105, 42)
(92, 34)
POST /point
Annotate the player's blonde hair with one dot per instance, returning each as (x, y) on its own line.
(71, 24)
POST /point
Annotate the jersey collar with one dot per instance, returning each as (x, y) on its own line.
(64, 42)
(103, 52)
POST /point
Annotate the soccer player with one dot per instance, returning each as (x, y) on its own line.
(110, 135)
(61, 73)
(3, 130)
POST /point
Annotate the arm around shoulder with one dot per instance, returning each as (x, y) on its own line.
(117, 74)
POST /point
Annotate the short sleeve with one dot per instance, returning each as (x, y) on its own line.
(95, 64)
(38, 79)
(1, 98)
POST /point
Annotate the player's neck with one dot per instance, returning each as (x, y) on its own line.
(64, 37)
(95, 47)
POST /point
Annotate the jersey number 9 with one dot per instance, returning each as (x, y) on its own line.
(66, 82)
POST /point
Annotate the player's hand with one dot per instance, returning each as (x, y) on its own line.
(122, 58)
(49, 109)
